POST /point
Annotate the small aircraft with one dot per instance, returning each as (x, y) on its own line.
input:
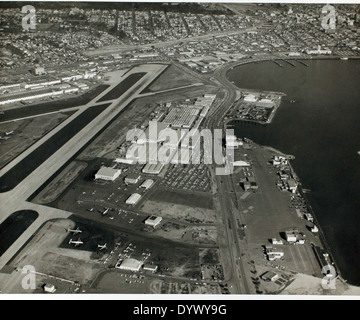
(102, 247)
(74, 232)
(76, 243)
(106, 211)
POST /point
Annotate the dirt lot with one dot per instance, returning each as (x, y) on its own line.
(118, 282)
(180, 212)
(172, 78)
(184, 198)
(54, 189)
(44, 254)
(26, 133)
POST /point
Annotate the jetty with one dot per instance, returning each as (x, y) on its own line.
(289, 62)
(302, 62)
(278, 63)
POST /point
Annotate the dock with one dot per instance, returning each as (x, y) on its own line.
(278, 63)
(290, 63)
(302, 62)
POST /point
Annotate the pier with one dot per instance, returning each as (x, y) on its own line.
(302, 62)
(278, 63)
(289, 62)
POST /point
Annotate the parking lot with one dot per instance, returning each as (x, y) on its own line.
(188, 177)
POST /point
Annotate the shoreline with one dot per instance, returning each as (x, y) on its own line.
(229, 122)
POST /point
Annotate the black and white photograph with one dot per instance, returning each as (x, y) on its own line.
(179, 150)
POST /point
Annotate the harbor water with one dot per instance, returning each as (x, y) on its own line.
(322, 129)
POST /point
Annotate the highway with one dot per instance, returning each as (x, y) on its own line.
(215, 121)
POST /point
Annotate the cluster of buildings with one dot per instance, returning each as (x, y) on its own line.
(273, 253)
(63, 36)
(255, 107)
(155, 25)
(45, 87)
(287, 179)
(171, 131)
(295, 237)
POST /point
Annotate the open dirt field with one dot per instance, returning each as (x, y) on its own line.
(60, 183)
(44, 254)
(172, 78)
(180, 212)
(26, 132)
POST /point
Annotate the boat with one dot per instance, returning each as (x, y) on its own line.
(344, 58)
(359, 153)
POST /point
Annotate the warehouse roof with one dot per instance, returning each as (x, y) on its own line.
(147, 184)
(131, 264)
(135, 197)
(106, 171)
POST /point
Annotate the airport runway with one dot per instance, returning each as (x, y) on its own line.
(16, 199)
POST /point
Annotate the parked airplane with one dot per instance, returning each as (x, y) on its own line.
(106, 211)
(102, 247)
(74, 232)
(76, 243)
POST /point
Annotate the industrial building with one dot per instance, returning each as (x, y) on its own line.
(133, 199)
(292, 185)
(270, 276)
(39, 70)
(151, 268)
(30, 96)
(253, 183)
(294, 236)
(153, 221)
(241, 164)
(132, 178)
(147, 184)
(276, 241)
(130, 265)
(108, 174)
(182, 117)
(309, 217)
(153, 168)
(251, 98)
(232, 142)
(49, 288)
(273, 253)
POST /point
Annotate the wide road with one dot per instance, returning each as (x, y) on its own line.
(16, 199)
(224, 187)
(123, 48)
